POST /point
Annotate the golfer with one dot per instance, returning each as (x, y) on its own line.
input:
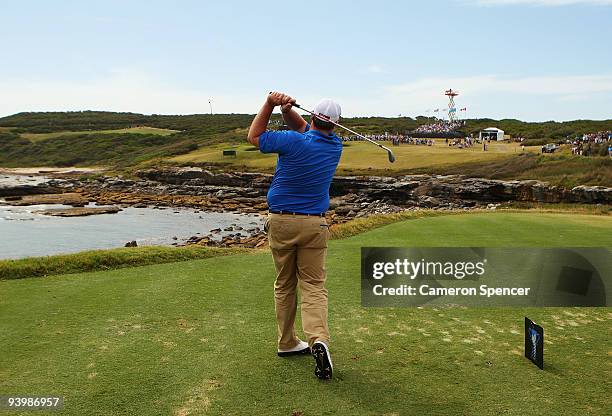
(308, 154)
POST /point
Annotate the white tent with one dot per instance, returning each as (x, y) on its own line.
(491, 133)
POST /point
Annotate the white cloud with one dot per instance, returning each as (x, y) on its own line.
(549, 85)
(552, 3)
(130, 90)
(120, 90)
(529, 98)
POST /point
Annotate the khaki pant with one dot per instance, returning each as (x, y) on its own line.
(299, 247)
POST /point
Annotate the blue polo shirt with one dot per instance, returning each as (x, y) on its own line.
(304, 170)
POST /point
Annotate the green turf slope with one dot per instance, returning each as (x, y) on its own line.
(198, 337)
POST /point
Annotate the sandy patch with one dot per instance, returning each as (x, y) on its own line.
(198, 400)
(43, 170)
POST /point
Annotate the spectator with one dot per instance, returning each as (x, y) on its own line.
(439, 127)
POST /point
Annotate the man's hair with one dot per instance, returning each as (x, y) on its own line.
(322, 125)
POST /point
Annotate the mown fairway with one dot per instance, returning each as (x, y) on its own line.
(501, 161)
(361, 156)
(198, 337)
(140, 130)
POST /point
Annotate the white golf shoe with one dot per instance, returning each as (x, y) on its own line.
(300, 349)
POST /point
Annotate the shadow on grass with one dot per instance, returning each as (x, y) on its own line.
(552, 369)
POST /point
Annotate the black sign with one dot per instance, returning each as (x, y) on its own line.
(534, 343)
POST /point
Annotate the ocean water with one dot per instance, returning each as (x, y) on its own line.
(7, 179)
(24, 233)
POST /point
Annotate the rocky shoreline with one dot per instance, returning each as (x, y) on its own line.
(351, 196)
(78, 212)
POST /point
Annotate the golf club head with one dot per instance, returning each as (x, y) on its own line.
(391, 156)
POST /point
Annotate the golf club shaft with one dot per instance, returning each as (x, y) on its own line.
(342, 127)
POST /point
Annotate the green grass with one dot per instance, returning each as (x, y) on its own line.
(501, 161)
(86, 138)
(198, 337)
(102, 138)
(92, 149)
(42, 122)
(359, 157)
(107, 259)
(104, 260)
(34, 137)
(558, 169)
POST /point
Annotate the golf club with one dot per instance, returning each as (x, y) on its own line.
(389, 152)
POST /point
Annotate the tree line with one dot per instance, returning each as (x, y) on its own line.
(207, 124)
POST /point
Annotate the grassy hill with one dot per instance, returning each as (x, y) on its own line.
(108, 149)
(198, 337)
(562, 169)
(46, 122)
(500, 161)
(121, 141)
(118, 140)
(34, 137)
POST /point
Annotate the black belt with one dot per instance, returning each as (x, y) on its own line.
(297, 213)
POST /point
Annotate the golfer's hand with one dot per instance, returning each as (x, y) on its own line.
(286, 107)
(275, 98)
(278, 98)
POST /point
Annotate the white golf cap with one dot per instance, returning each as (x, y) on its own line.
(328, 108)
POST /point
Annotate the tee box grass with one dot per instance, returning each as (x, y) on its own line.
(199, 337)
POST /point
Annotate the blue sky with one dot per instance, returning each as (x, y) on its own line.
(526, 59)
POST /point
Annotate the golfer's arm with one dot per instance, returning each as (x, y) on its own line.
(260, 124)
(294, 121)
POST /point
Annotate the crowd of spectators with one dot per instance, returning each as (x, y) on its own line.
(461, 143)
(395, 139)
(375, 137)
(415, 141)
(440, 127)
(588, 144)
(597, 138)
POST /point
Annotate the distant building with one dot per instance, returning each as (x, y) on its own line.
(491, 133)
